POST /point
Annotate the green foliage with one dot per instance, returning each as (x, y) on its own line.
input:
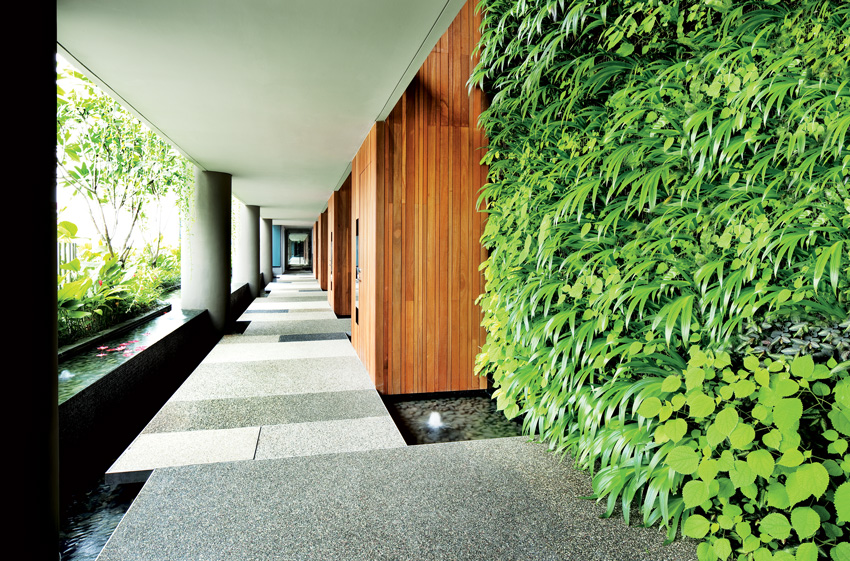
(663, 174)
(112, 161)
(95, 291)
(767, 471)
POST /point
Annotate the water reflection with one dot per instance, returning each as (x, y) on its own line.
(82, 370)
(449, 419)
(90, 519)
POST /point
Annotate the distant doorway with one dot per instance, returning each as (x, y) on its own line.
(299, 250)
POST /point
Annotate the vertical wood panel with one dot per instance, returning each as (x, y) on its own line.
(322, 250)
(339, 258)
(415, 182)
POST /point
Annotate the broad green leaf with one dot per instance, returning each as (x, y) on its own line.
(696, 526)
(700, 405)
(787, 413)
(776, 526)
(807, 552)
(762, 554)
(722, 548)
(751, 543)
(649, 407)
(695, 492)
(777, 496)
(726, 461)
(726, 421)
(744, 388)
(805, 521)
(742, 436)
(705, 552)
(694, 377)
(772, 439)
(676, 429)
(708, 469)
(803, 366)
(838, 447)
(840, 552)
(840, 419)
(808, 480)
(625, 49)
(761, 462)
(791, 458)
(785, 387)
(842, 393)
(842, 502)
(714, 435)
(671, 383)
(741, 474)
(751, 363)
(683, 459)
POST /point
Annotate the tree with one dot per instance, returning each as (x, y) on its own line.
(113, 161)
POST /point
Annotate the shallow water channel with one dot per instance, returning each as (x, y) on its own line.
(84, 369)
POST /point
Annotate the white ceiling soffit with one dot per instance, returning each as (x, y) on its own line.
(280, 94)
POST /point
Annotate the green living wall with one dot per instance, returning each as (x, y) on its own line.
(669, 239)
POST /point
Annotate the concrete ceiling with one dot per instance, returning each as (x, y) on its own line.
(278, 93)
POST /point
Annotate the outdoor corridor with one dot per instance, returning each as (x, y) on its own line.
(278, 447)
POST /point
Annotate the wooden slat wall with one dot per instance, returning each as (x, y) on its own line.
(366, 198)
(425, 227)
(322, 250)
(314, 246)
(339, 258)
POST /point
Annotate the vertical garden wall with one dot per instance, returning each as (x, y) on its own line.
(669, 237)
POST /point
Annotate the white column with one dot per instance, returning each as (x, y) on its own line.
(205, 264)
(246, 268)
(266, 250)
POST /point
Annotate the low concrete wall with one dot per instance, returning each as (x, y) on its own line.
(240, 299)
(98, 423)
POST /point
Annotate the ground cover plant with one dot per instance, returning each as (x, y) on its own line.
(95, 291)
(669, 239)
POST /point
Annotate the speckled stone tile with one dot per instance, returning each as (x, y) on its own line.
(297, 324)
(486, 500)
(278, 351)
(265, 304)
(239, 339)
(266, 410)
(274, 377)
(312, 337)
(328, 437)
(151, 451)
(296, 297)
(290, 316)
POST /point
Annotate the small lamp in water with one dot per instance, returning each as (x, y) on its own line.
(435, 422)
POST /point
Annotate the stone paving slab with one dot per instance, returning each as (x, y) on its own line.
(241, 339)
(276, 297)
(150, 451)
(486, 500)
(276, 304)
(278, 351)
(302, 315)
(297, 324)
(274, 377)
(312, 337)
(328, 437)
(266, 410)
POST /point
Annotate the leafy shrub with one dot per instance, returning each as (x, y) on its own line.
(664, 174)
(95, 291)
(761, 450)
